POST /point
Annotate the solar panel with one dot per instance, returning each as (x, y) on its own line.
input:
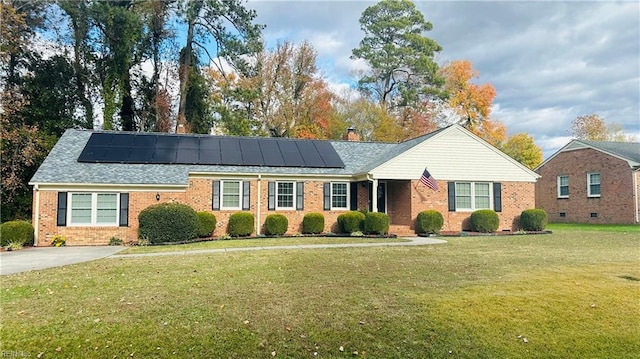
(271, 153)
(203, 150)
(310, 154)
(329, 155)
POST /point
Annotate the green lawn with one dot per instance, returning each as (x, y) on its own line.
(571, 294)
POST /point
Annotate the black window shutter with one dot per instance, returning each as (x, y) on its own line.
(61, 220)
(497, 196)
(326, 194)
(353, 192)
(272, 195)
(300, 196)
(451, 188)
(124, 210)
(246, 195)
(215, 201)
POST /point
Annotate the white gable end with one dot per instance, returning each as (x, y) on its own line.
(455, 155)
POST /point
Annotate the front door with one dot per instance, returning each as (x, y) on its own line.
(382, 197)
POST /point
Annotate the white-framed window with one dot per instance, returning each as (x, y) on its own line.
(563, 186)
(231, 194)
(285, 195)
(473, 195)
(593, 184)
(93, 209)
(339, 195)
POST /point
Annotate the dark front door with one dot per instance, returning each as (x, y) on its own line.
(382, 197)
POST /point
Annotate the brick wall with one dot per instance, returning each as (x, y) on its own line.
(616, 202)
(403, 197)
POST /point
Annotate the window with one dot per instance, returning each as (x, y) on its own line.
(563, 186)
(93, 209)
(593, 184)
(339, 195)
(231, 194)
(285, 195)
(473, 195)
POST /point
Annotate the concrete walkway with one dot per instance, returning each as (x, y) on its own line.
(37, 258)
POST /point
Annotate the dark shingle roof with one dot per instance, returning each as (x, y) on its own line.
(627, 150)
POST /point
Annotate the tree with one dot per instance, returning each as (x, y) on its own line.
(594, 128)
(523, 149)
(370, 120)
(229, 25)
(402, 70)
(471, 102)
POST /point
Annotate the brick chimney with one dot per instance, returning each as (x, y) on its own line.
(351, 135)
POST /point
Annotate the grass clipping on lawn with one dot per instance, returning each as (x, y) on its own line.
(569, 294)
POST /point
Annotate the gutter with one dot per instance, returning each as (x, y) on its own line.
(258, 206)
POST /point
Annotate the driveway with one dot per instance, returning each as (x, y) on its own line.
(35, 258)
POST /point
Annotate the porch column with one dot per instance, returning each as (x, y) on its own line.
(374, 196)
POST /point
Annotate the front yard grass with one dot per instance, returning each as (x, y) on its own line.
(571, 294)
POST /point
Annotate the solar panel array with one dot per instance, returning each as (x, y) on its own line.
(208, 150)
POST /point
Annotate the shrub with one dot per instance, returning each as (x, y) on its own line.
(206, 224)
(429, 221)
(350, 222)
(276, 225)
(533, 219)
(168, 222)
(115, 241)
(16, 232)
(376, 223)
(313, 223)
(484, 220)
(241, 224)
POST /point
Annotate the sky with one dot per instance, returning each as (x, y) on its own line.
(549, 62)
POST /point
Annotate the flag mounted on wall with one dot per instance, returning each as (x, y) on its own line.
(427, 180)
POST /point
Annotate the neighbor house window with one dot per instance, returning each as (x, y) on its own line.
(473, 195)
(339, 195)
(285, 195)
(563, 186)
(93, 209)
(593, 184)
(231, 194)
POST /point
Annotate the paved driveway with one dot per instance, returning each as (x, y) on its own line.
(36, 258)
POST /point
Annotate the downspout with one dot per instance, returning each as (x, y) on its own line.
(36, 214)
(258, 207)
(635, 194)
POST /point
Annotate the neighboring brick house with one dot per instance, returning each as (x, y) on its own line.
(93, 184)
(591, 182)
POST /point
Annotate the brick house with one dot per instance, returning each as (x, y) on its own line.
(93, 184)
(591, 182)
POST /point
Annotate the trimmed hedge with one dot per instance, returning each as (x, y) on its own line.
(241, 224)
(168, 222)
(313, 223)
(276, 225)
(352, 221)
(429, 221)
(376, 223)
(206, 224)
(533, 219)
(20, 232)
(484, 220)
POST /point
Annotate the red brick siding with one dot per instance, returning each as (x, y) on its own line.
(616, 201)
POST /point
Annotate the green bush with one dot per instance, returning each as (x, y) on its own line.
(276, 225)
(241, 224)
(352, 221)
(206, 224)
(484, 220)
(16, 232)
(533, 219)
(115, 241)
(313, 223)
(429, 221)
(168, 222)
(376, 223)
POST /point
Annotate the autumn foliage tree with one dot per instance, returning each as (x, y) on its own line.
(523, 149)
(594, 128)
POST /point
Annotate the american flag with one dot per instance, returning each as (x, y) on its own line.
(428, 181)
